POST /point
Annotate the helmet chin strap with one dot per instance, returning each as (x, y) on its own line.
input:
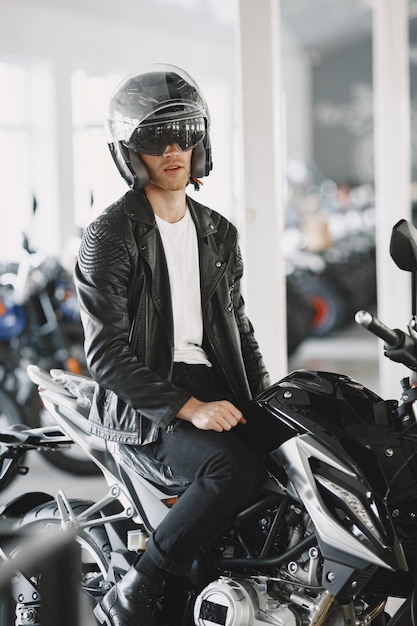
(196, 182)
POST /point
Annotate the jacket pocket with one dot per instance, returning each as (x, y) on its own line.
(113, 418)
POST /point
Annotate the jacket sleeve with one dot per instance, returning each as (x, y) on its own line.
(102, 276)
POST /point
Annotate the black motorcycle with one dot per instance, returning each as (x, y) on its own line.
(326, 541)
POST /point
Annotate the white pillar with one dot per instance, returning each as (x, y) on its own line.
(65, 154)
(262, 142)
(392, 168)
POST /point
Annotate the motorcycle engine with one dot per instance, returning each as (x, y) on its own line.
(228, 602)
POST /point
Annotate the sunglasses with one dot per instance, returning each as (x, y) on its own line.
(155, 138)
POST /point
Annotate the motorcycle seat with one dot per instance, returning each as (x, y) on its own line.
(156, 472)
(73, 408)
(74, 402)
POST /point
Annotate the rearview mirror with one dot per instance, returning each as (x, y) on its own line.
(403, 247)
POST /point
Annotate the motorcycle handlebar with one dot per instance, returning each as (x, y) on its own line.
(390, 336)
(399, 346)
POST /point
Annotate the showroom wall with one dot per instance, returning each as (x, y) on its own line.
(60, 37)
(343, 111)
(101, 40)
(55, 38)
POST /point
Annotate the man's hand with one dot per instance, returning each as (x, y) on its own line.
(219, 415)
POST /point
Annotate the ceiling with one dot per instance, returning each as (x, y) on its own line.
(168, 14)
(318, 25)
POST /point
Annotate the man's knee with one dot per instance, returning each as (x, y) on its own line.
(245, 472)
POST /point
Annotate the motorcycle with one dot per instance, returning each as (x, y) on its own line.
(326, 541)
(39, 323)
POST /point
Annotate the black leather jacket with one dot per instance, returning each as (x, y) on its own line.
(124, 295)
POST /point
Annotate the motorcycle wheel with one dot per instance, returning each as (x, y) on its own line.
(330, 309)
(10, 413)
(10, 417)
(94, 549)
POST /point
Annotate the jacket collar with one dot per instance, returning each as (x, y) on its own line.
(138, 208)
(203, 219)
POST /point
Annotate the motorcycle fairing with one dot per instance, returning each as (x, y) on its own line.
(357, 532)
(333, 408)
(327, 398)
(356, 423)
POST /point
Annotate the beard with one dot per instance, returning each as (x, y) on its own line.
(168, 184)
(174, 181)
(169, 174)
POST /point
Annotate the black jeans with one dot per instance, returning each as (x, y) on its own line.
(223, 469)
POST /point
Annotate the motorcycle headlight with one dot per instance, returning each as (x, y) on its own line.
(352, 505)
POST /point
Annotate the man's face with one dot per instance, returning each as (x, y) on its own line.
(170, 171)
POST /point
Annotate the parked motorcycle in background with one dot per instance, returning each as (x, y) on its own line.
(329, 249)
(326, 541)
(39, 323)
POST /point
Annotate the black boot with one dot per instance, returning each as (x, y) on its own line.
(131, 602)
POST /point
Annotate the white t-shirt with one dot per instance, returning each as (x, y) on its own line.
(181, 251)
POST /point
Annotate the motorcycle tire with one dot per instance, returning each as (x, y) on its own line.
(300, 315)
(10, 417)
(94, 550)
(10, 413)
(329, 306)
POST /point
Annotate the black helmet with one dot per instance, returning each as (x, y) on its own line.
(160, 105)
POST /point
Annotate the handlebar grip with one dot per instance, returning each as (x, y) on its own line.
(391, 337)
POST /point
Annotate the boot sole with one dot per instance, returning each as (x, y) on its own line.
(102, 617)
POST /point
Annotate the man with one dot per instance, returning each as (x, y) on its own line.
(166, 335)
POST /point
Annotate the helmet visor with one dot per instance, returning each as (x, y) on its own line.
(153, 139)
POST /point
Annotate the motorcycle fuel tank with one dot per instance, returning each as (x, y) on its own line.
(333, 408)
